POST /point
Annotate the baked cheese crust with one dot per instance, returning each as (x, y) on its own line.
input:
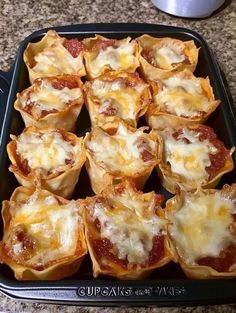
(43, 235)
(117, 94)
(126, 232)
(131, 153)
(51, 101)
(52, 158)
(202, 227)
(103, 54)
(181, 99)
(160, 56)
(54, 55)
(192, 157)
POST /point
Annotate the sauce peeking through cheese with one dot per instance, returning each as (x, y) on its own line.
(217, 154)
(47, 152)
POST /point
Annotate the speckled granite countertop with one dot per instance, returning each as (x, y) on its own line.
(20, 18)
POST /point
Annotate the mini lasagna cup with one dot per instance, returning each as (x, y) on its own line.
(161, 56)
(192, 157)
(117, 94)
(51, 101)
(43, 235)
(181, 99)
(116, 151)
(202, 227)
(52, 158)
(104, 54)
(125, 231)
(54, 55)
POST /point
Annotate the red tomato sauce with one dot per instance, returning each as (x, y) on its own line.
(148, 55)
(29, 104)
(74, 46)
(69, 162)
(186, 61)
(146, 155)
(223, 262)
(110, 108)
(103, 247)
(158, 250)
(23, 165)
(217, 159)
(97, 224)
(19, 235)
(46, 112)
(234, 217)
(28, 107)
(104, 44)
(61, 83)
(144, 147)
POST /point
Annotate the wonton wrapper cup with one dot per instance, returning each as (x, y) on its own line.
(93, 101)
(173, 182)
(65, 118)
(100, 176)
(62, 183)
(65, 267)
(33, 48)
(134, 272)
(198, 271)
(150, 72)
(158, 118)
(91, 53)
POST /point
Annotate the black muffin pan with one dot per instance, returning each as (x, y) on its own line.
(166, 286)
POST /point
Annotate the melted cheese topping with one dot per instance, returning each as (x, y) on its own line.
(127, 228)
(46, 151)
(166, 56)
(182, 97)
(201, 227)
(188, 159)
(116, 94)
(120, 151)
(45, 97)
(143, 204)
(54, 228)
(56, 59)
(119, 58)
